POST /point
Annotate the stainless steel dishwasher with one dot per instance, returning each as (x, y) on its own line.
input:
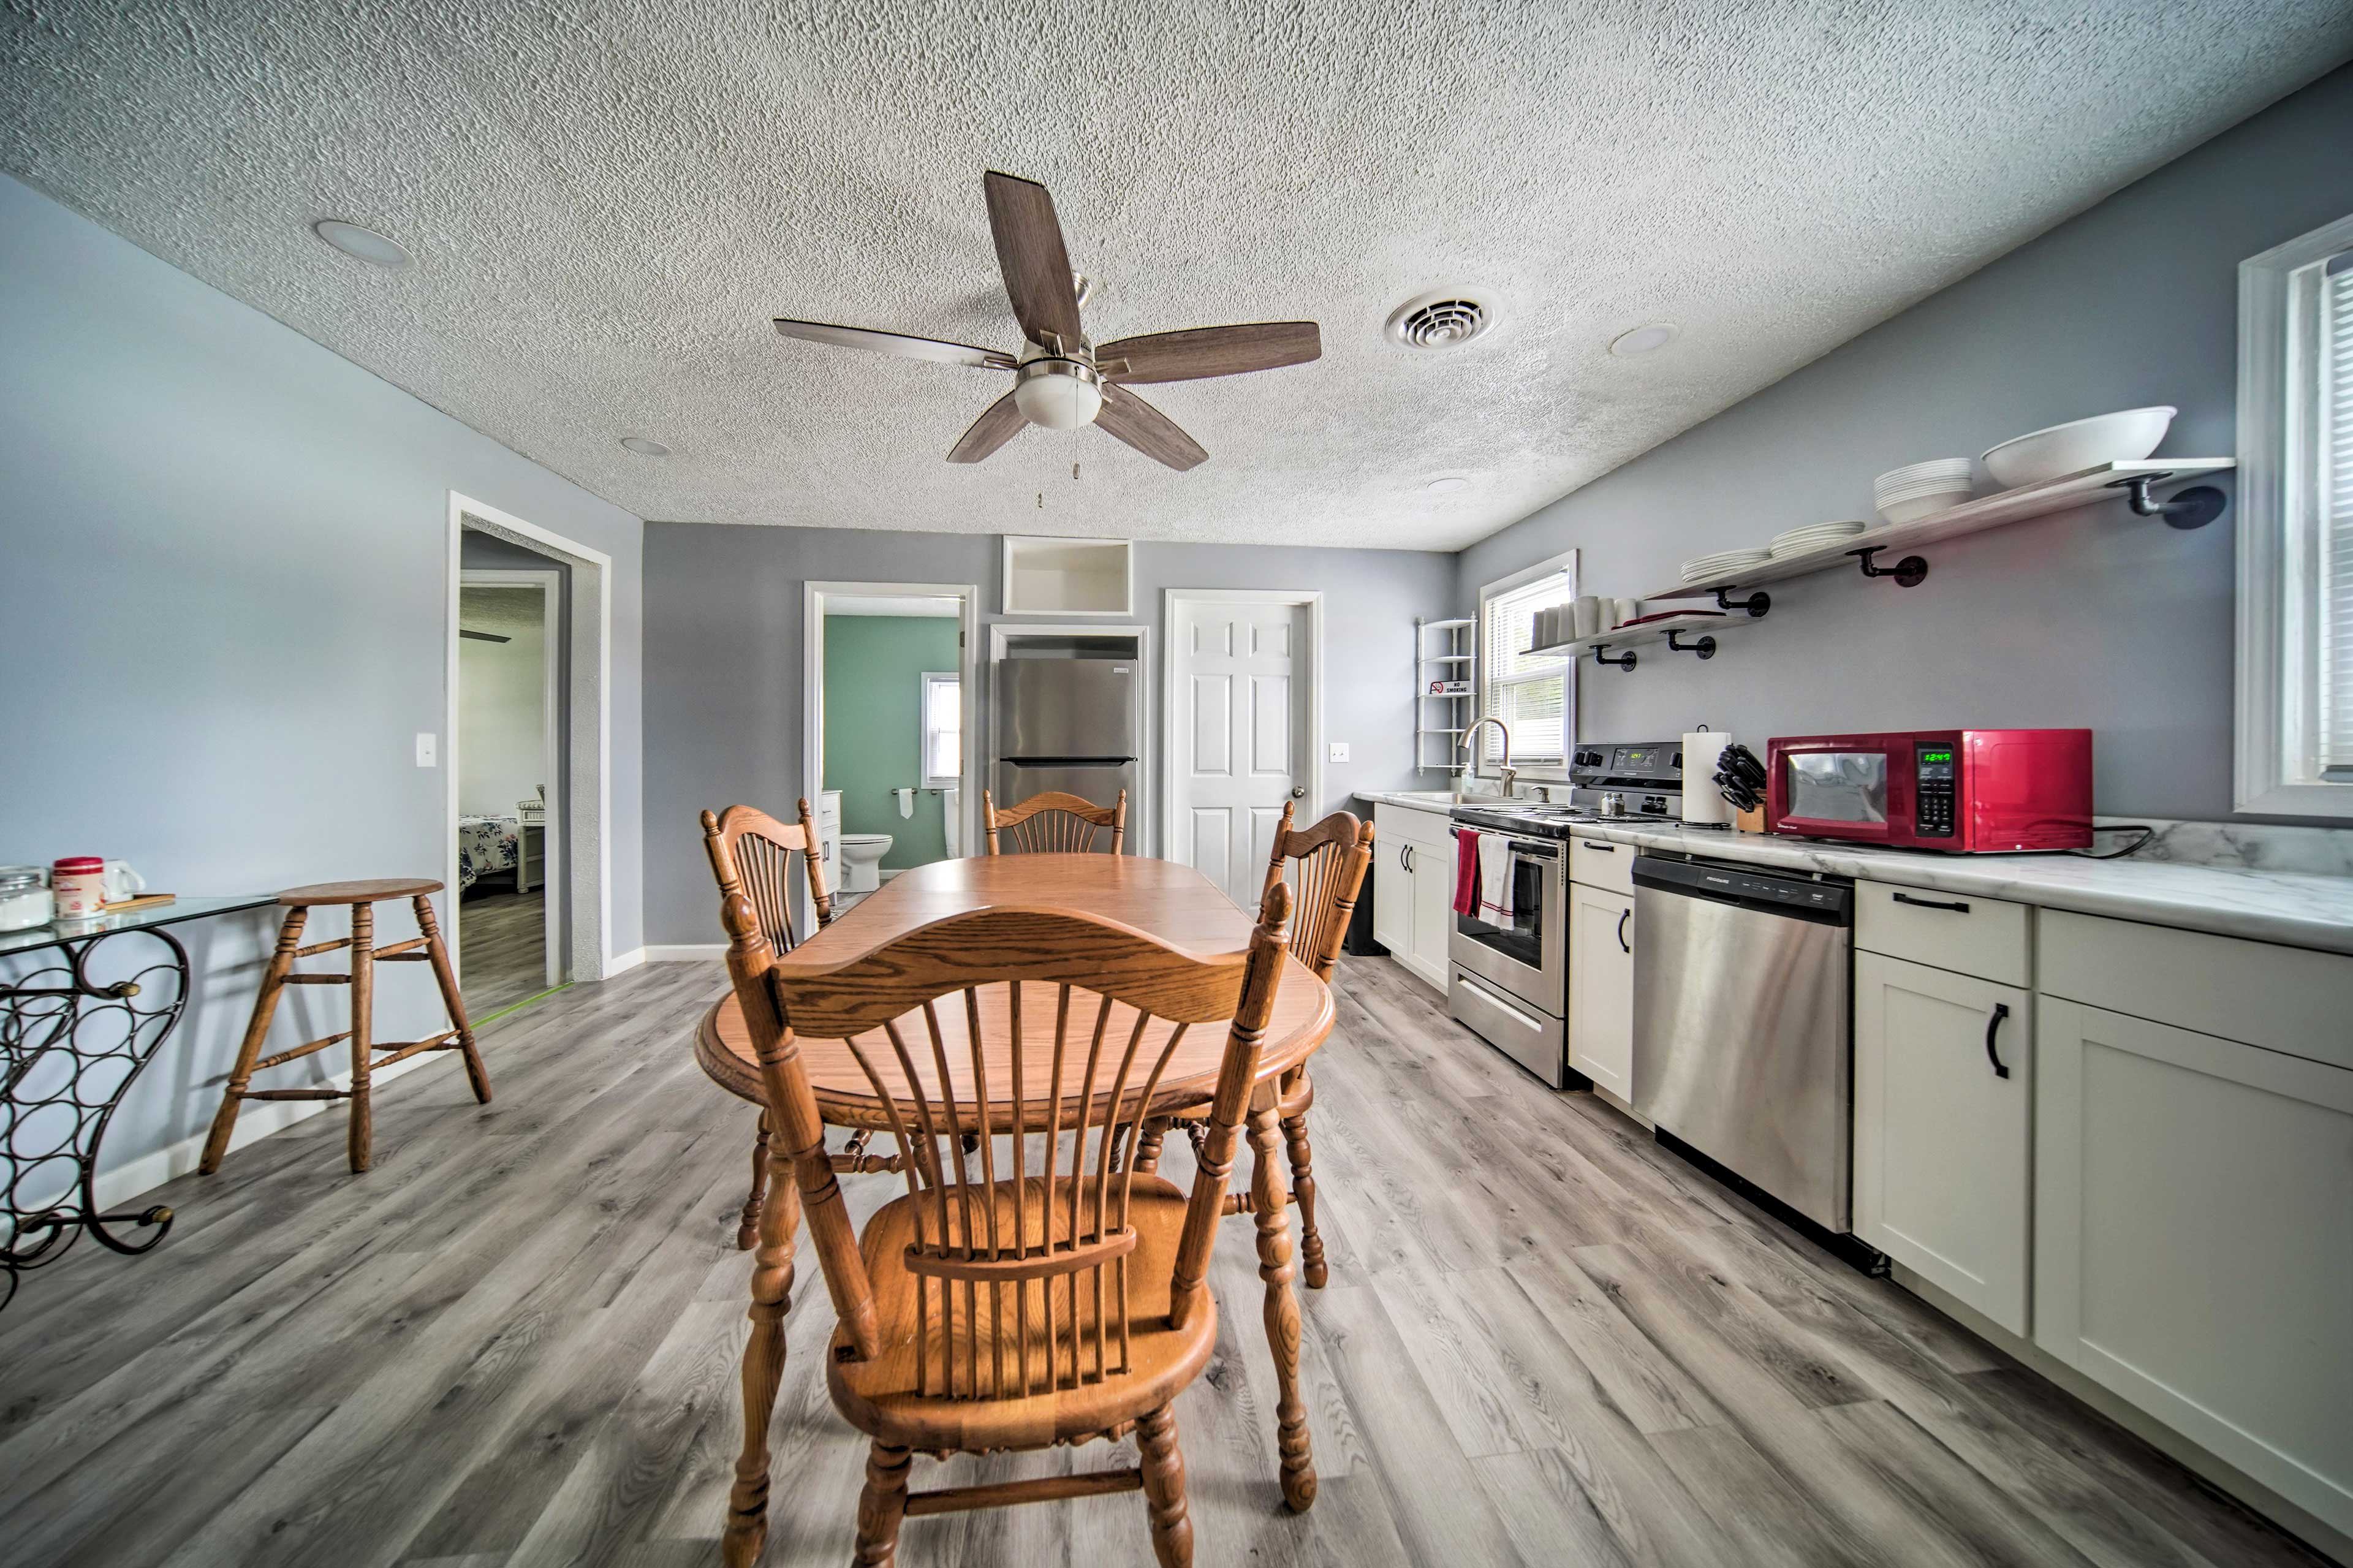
(1742, 1032)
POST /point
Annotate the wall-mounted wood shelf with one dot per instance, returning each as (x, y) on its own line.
(1691, 634)
(2109, 481)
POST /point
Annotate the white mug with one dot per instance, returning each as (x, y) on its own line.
(1589, 615)
(1627, 610)
(122, 882)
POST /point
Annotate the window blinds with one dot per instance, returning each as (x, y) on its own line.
(2333, 496)
(1530, 695)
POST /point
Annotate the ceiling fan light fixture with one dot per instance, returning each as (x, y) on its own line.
(1058, 393)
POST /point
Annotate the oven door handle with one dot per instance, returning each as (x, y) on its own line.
(1529, 848)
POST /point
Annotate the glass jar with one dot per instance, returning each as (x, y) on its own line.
(25, 900)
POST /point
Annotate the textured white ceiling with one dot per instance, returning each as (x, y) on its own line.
(504, 611)
(609, 202)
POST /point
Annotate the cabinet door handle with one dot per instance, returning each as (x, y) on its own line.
(1624, 915)
(1959, 909)
(1599, 849)
(1405, 858)
(1993, 1024)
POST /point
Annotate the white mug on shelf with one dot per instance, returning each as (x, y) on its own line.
(1626, 610)
(1589, 615)
(123, 883)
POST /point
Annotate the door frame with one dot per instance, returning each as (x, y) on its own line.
(588, 800)
(813, 596)
(1313, 599)
(547, 581)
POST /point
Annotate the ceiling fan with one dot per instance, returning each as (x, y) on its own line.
(1061, 380)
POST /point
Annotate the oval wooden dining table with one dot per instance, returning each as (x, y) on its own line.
(1171, 901)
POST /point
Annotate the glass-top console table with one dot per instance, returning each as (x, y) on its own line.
(70, 1047)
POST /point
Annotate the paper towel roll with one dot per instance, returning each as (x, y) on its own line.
(906, 802)
(1703, 801)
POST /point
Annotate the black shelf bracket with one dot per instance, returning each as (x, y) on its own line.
(1705, 647)
(1908, 572)
(1601, 656)
(2193, 507)
(1755, 604)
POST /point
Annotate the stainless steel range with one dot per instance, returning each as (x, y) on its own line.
(1507, 975)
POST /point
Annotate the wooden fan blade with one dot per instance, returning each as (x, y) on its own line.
(1147, 430)
(895, 343)
(1199, 351)
(1030, 253)
(997, 426)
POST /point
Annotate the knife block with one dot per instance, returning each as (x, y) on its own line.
(1749, 821)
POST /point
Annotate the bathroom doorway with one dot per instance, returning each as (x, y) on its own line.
(887, 729)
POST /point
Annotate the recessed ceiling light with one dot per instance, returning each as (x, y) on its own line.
(363, 243)
(1642, 339)
(1446, 484)
(644, 447)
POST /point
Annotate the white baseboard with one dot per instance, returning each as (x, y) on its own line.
(622, 961)
(259, 1120)
(693, 952)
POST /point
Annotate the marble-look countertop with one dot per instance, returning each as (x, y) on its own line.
(2299, 908)
(1415, 800)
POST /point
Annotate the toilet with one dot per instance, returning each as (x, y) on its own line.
(861, 860)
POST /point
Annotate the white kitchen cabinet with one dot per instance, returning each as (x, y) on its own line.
(2193, 1210)
(1941, 1136)
(1601, 987)
(1413, 889)
(1433, 910)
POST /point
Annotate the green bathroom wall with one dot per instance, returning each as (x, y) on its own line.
(873, 718)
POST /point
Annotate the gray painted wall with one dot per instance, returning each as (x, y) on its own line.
(723, 659)
(2091, 617)
(222, 579)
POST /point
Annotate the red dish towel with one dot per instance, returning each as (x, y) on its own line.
(1466, 873)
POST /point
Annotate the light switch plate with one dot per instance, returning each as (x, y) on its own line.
(1336, 752)
(429, 750)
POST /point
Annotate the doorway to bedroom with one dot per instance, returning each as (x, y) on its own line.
(510, 718)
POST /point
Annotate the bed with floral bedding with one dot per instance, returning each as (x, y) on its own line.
(486, 846)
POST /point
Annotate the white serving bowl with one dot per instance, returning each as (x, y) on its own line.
(2125, 436)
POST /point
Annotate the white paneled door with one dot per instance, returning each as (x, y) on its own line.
(1242, 686)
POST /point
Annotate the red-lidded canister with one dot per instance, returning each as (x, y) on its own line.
(79, 883)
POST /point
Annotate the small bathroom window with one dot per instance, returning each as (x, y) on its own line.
(943, 741)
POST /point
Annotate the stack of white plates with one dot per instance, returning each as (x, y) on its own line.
(1814, 536)
(1916, 490)
(1705, 567)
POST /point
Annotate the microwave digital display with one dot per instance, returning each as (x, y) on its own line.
(1839, 786)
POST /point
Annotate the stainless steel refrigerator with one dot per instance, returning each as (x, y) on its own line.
(1070, 724)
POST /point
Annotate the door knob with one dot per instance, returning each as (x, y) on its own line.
(1298, 792)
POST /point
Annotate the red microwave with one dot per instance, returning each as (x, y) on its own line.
(1974, 791)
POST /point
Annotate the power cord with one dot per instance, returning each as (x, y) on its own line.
(2137, 846)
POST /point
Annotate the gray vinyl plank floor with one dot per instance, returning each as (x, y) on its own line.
(501, 949)
(515, 1342)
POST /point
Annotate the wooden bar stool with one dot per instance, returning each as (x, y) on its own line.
(366, 1053)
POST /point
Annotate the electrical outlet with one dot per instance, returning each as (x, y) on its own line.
(1337, 751)
(429, 750)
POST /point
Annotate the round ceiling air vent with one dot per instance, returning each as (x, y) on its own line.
(1441, 319)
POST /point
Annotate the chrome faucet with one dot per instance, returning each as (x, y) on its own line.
(1464, 746)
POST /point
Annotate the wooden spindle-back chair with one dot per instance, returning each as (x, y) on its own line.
(1053, 823)
(1050, 1294)
(751, 853)
(1328, 862)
